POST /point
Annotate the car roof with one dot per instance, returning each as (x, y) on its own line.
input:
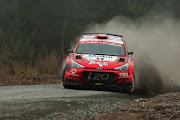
(101, 38)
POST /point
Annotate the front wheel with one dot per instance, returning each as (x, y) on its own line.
(63, 81)
(67, 86)
(132, 88)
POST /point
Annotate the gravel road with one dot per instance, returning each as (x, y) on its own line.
(55, 102)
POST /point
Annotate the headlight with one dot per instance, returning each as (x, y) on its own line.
(122, 68)
(76, 65)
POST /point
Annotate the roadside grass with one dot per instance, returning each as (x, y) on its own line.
(46, 63)
(46, 69)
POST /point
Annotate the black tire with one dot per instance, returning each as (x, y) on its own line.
(67, 86)
(64, 81)
(63, 74)
(130, 90)
(133, 88)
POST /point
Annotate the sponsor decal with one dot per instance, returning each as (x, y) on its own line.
(101, 64)
(98, 83)
(100, 58)
(73, 71)
(88, 37)
(101, 41)
(115, 38)
(111, 40)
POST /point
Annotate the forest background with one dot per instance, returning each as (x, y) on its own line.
(35, 35)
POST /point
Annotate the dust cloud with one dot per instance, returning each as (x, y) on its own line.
(155, 41)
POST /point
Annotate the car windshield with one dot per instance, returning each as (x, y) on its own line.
(101, 49)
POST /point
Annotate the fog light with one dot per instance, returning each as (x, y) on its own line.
(123, 74)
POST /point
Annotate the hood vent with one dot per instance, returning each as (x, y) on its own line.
(78, 57)
(121, 60)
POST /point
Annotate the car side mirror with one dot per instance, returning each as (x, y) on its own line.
(130, 53)
(70, 51)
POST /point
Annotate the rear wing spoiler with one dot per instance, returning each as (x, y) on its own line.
(103, 33)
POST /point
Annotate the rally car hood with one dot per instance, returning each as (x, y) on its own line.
(100, 61)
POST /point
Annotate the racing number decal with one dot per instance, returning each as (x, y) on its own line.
(98, 76)
(104, 76)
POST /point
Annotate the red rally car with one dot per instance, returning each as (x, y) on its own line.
(100, 59)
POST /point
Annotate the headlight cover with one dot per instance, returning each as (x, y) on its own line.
(122, 68)
(76, 65)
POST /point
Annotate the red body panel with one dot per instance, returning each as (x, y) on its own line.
(92, 62)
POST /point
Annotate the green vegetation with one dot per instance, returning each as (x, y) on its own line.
(35, 34)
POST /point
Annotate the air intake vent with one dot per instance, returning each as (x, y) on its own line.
(78, 57)
(102, 36)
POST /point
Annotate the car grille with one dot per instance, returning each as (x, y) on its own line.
(99, 76)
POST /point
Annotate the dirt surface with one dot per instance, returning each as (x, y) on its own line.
(11, 79)
(55, 102)
(162, 107)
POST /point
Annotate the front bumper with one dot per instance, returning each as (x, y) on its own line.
(80, 77)
(91, 84)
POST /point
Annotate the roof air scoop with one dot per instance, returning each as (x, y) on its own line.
(102, 36)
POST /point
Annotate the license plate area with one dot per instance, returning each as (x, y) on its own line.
(96, 77)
